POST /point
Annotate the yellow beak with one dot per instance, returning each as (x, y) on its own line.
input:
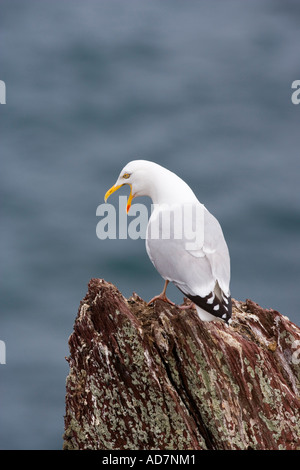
(115, 188)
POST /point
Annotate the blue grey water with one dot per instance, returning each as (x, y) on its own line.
(203, 88)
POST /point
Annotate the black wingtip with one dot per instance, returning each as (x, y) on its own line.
(221, 309)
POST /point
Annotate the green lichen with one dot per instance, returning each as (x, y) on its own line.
(138, 391)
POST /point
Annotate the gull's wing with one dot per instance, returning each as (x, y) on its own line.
(201, 270)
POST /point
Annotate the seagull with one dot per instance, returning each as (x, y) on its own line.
(184, 241)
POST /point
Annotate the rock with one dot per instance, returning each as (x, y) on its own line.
(156, 377)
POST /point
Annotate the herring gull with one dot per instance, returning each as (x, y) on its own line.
(184, 241)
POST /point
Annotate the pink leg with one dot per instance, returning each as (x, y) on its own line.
(162, 296)
(186, 307)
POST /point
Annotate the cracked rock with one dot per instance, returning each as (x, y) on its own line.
(156, 377)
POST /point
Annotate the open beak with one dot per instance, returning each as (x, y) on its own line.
(115, 188)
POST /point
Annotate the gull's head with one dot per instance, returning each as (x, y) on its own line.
(140, 176)
(147, 178)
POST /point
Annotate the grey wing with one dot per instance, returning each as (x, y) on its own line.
(216, 251)
(194, 271)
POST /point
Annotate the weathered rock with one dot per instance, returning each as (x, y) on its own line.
(159, 378)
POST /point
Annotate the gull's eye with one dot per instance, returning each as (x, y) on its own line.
(126, 176)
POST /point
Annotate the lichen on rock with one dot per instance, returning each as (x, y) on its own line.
(156, 377)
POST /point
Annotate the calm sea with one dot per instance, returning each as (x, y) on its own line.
(201, 87)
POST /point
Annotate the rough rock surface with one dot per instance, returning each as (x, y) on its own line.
(156, 377)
